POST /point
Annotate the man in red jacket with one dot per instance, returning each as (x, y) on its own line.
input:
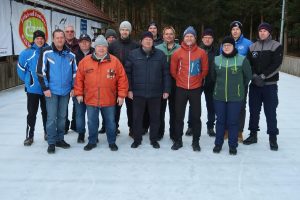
(189, 66)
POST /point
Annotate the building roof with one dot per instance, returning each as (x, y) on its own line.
(83, 6)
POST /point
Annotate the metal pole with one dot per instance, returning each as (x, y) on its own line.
(282, 21)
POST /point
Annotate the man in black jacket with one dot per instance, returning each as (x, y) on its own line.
(149, 80)
(121, 49)
(265, 57)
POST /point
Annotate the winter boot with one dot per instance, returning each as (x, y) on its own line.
(251, 139)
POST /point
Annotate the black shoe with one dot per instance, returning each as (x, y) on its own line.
(251, 139)
(51, 149)
(273, 143)
(177, 145)
(113, 147)
(118, 131)
(232, 151)
(189, 132)
(196, 146)
(62, 144)
(28, 141)
(217, 148)
(102, 130)
(45, 136)
(211, 132)
(89, 147)
(135, 144)
(155, 145)
(80, 138)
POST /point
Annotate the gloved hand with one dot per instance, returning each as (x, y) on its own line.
(259, 81)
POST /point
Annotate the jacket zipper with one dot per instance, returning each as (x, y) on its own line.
(98, 84)
(226, 81)
(189, 68)
(239, 90)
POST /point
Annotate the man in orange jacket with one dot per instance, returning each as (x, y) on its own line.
(189, 66)
(101, 82)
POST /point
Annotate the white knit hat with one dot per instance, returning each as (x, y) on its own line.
(127, 25)
(100, 40)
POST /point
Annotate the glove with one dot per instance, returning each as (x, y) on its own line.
(259, 81)
(79, 99)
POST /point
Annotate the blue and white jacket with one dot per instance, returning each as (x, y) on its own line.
(27, 67)
(242, 45)
(56, 70)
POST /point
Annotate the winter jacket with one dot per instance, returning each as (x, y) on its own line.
(211, 52)
(121, 48)
(265, 58)
(189, 66)
(80, 55)
(231, 75)
(56, 70)
(27, 66)
(164, 47)
(74, 46)
(101, 82)
(148, 75)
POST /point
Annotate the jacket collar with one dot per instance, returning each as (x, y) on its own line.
(189, 48)
(151, 52)
(105, 59)
(65, 49)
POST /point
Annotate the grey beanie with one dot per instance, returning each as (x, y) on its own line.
(100, 40)
(127, 25)
(110, 32)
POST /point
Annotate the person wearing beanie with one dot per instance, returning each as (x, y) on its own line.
(121, 49)
(152, 27)
(207, 44)
(100, 84)
(84, 50)
(57, 86)
(242, 45)
(231, 73)
(168, 47)
(189, 66)
(26, 69)
(149, 81)
(265, 57)
(110, 35)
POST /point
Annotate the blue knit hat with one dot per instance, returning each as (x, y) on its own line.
(190, 30)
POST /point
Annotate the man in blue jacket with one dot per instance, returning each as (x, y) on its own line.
(56, 70)
(26, 69)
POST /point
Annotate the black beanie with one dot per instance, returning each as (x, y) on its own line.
(208, 31)
(229, 40)
(38, 33)
(265, 26)
(236, 24)
(147, 34)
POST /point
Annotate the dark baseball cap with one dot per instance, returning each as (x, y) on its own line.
(85, 37)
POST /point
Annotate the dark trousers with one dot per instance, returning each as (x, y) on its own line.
(139, 104)
(194, 98)
(33, 101)
(211, 115)
(268, 96)
(129, 111)
(227, 118)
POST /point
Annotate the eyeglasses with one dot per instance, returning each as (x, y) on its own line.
(69, 31)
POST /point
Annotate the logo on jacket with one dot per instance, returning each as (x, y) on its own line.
(195, 67)
(254, 54)
(111, 73)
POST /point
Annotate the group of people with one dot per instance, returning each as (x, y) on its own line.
(101, 76)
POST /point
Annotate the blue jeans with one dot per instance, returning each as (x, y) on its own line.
(56, 117)
(108, 114)
(228, 114)
(80, 116)
(268, 96)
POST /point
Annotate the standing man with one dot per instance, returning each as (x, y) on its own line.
(189, 66)
(110, 35)
(56, 69)
(73, 45)
(208, 85)
(168, 47)
(154, 30)
(101, 83)
(149, 81)
(265, 58)
(121, 48)
(26, 69)
(84, 50)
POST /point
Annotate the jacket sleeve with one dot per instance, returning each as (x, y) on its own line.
(22, 65)
(166, 75)
(128, 68)
(122, 80)
(42, 71)
(213, 73)
(174, 65)
(204, 61)
(247, 72)
(79, 80)
(276, 61)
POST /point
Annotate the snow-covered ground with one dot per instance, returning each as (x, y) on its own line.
(147, 173)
